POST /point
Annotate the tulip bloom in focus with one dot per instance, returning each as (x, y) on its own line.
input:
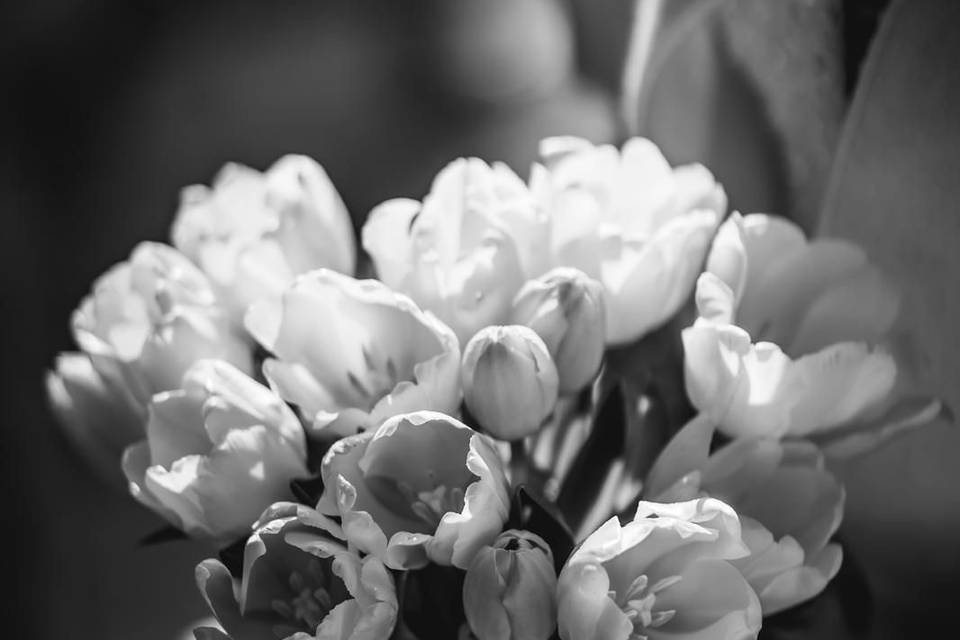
(664, 576)
(465, 251)
(565, 308)
(630, 221)
(300, 582)
(789, 504)
(218, 452)
(784, 342)
(509, 381)
(422, 488)
(510, 589)
(351, 353)
(252, 232)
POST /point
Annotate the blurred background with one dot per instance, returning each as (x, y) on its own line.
(801, 107)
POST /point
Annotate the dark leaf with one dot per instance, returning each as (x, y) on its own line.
(160, 536)
(533, 512)
(432, 605)
(232, 557)
(307, 491)
(594, 460)
(209, 633)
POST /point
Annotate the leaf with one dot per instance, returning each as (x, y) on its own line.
(161, 536)
(433, 602)
(531, 511)
(307, 491)
(593, 463)
(232, 557)
(209, 633)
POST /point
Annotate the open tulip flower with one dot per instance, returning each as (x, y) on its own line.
(788, 503)
(665, 575)
(300, 582)
(351, 353)
(252, 232)
(466, 250)
(218, 452)
(630, 221)
(785, 344)
(149, 319)
(422, 488)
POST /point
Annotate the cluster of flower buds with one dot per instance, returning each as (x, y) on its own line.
(249, 357)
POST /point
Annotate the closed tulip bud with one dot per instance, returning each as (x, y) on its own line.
(565, 308)
(510, 589)
(509, 381)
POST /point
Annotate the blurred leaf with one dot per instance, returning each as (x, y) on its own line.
(593, 463)
(161, 536)
(433, 602)
(531, 511)
(232, 557)
(307, 491)
(209, 633)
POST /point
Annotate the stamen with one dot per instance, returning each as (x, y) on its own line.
(357, 385)
(307, 607)
(639, 601)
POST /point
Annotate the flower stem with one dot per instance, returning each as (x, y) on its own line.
(519, 469)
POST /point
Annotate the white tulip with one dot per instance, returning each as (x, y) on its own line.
(218, 451)
(252, 232)
(466, 250)
(629, 220)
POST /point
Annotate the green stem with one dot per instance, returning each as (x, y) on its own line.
(519, 469)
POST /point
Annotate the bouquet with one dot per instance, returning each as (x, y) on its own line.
(592, 404)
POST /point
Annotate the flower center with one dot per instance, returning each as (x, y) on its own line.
(376, 381)
(308, 604)
(431, 505)
(639, 602)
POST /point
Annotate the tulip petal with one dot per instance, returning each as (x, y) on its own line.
(687, 451)
(861, 306)
(840, 382)
(711, 600)
(585, 611)
(728, 256)
(386, 237)
(647, 284)
(773, 307)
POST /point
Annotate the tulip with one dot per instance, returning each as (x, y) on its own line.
(422, 488)
(149, 319)
(351, 353)
(509, 381)
(565, 308)
(218, 451)
(464, 252)
(665, 575)
(788, 502)
(785, 344)
(99, 417)
(252, 232)
(629, 220)
(300, 580)
(509, 590)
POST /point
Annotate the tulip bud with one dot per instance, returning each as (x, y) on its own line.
(509, 381)
(565, 308)
(510, 589)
